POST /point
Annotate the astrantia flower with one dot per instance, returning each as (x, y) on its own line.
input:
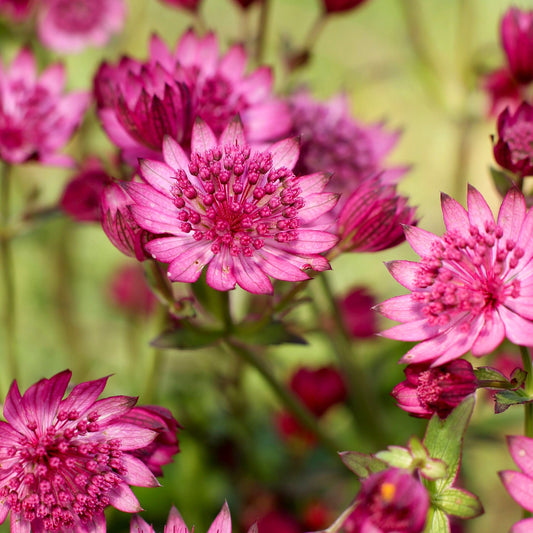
(333, 140)
(241, 213)
(72, 25)
(65, 460)
(139, 104)
(392, 500)
(175, 523)
(357, 313)
(435, 390)
(36, 119)
(520, 484)
(471, 288)
(514, 148)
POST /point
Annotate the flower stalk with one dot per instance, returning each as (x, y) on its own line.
(528, 387)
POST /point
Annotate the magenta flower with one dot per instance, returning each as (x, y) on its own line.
(392, 500)
(81, 197)
(517, 41)
(162, 449)
(514, 148)
(65, 460)
(336, 6)
(372, 217)
(139, 104)
(333, 140)
(520, 484)
(36, 119)
(471, 288)
(175, 523)
(72, 25)
(118, 223)
(435, 390)
(241, 213)
(357, 313)
(503, 91)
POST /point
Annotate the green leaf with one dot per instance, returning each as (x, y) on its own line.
(506, 398)
(266, 334)
(361, 464)
(444, 439)
(396, 456)
(458, 502)
(518, 377)
(437, 521)
(502, 180)
(187, 336)
(487, 373)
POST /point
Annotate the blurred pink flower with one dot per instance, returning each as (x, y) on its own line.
(336, 6)
(36, 119)
(332, 140)
(139, 104)
(175, 523)
(241, 213)
(520, 484)
(70, 26)
(503, 91)
(372, 216)
(471, 288)
(390, 500)
(129, 291)
(277, 521)
(118, 223)
(357, 313)
(17, 10)
(162, 449)
(514, 147)
(65, 460)
(435, 390)
(189, 5)
(81, 196)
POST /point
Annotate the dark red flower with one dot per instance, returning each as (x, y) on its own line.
(336, 6)
(358, 316)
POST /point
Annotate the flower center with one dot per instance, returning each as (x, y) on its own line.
(237, 200)
(519, 137)
(471, 274)
(62, 476)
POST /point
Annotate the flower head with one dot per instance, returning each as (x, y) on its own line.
(470, 289)
(175, 88)
(435, 390)
(357, 314)
(64, 460)
(514, 148)
(392, 500)
(72, 25)
(36, 119)
(242, 213)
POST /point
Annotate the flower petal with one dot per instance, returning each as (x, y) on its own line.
(520, 487)
(454, 214)
(222, 522)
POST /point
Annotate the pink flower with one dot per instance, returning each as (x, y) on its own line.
(118, 223)
(175, 523)
(162, 449)
(435, 390)
(189, 5)
(241, 213)
(372, 217)
(514, 148)
(520, 484)
(333, 140)
(389, 501)
(471, 288)
(81, 197)
(36, 119)
(503, 91)
(357, 314)
(176, 88)
(318, 388)
(65, 460)
(17, 10)
(517, 41)
(336, 6)
(71, 25)
(129, 292)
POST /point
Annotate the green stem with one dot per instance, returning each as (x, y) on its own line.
(314, 32)
(262, 31)
(362, 397)
(6, 260)
(528, 387)
(286, 397)
(155, 362)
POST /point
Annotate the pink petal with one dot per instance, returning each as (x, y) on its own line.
(454, 214)
(24, 67)
(479, 212)
(491, 336)
(312, 242)
(122, 498)
(138, 525)
(316, 205)
(405, 273)
(174, 155)
(521, 449)
(19, 524)
(53, 78)
(188, 266)
(523, 526)
(112, 408)
(233, 133)
(270, 119)
(281, 265)
(421, 241)
(233, 63)
(129, 436)
(159, 175)
(418, 330)
(512, 214)
(138, 474)
(520, 487)
(166, 249)
(401, 308)
(313, 183)
(83, 396)
(257, 85)
(175, 523)
(203, 138)
(220, 271)
(285, 153)
(250, 276)
(518, 329)
(222, 523)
